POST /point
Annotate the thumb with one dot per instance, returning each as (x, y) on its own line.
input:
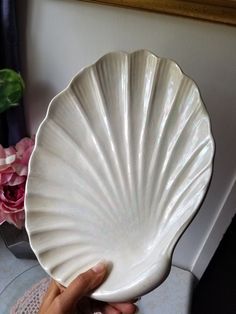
(82, 285)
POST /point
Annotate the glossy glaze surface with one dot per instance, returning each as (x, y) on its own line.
(121, 163)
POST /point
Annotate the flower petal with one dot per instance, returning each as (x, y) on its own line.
(20, 169)
(5, 177)
(2, 217)
(16, 219)
(24, 149)
(7, 157)
(16, 180)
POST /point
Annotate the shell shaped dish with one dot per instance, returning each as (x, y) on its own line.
(120, 166)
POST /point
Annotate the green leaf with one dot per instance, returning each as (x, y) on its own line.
(11, 88)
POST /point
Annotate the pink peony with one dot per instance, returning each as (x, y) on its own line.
(13, 174)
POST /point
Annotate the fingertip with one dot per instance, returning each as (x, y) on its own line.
(127, 308)
(108, 309)
(130, 308)
(100, 267)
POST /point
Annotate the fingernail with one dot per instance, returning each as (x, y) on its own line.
(100, 267)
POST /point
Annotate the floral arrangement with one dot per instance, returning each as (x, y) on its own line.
(13, 174)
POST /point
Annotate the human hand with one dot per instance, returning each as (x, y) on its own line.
(71, 300)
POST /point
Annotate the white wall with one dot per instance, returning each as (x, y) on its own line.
(64, 36)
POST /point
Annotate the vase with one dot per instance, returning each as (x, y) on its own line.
(16, 240)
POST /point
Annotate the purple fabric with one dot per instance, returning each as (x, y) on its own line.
(12, 121)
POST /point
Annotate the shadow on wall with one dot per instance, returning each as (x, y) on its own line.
(215, 293)
(40, 91)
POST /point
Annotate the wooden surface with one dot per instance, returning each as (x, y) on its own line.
(223, 11)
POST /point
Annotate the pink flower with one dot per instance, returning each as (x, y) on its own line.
(13, 174)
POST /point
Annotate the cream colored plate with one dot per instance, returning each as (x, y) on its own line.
(121, 163)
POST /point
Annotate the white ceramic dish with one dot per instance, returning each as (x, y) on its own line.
(121, 163)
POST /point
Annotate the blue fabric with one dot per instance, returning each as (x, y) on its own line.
(12, 122)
